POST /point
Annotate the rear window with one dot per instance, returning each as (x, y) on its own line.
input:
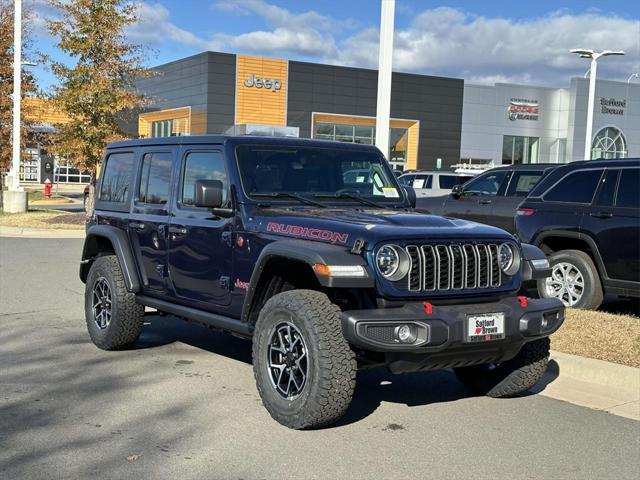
(155, 178)
(422, 181)
(116, 177)
(522, 183)
(628, 192)
(577, 187)
(607, 188)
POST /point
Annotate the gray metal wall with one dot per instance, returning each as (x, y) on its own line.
(205, 82)
(436, 102)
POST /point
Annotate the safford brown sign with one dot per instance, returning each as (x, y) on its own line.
(612, 106)
(523, 109)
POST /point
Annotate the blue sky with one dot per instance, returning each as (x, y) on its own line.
(482, 42)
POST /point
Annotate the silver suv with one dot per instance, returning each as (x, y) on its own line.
(433, 184)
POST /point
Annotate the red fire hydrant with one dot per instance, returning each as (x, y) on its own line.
(47, 188)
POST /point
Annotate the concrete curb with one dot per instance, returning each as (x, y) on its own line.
(593, 383)
(40, 232)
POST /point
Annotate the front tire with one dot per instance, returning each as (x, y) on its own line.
(508, 378)
(574, 280)
(305, 370)
(114, 319)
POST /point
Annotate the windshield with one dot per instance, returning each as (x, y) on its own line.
(312, 171)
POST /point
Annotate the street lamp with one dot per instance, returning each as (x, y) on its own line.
(594, 56)
(633, 75)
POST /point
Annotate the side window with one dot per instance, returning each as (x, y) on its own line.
(202, 166)
(522, 183)
(487, 184)
(628, 193)
(607, 189)
(116, 177)
(422, 181)
(154, 178)
(577, 187)
(448, 181)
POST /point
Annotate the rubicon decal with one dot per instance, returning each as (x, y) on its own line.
(306, 232)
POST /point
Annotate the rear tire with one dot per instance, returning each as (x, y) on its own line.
(574, 280)
(114, 319)
(508, 378)
(298, 335)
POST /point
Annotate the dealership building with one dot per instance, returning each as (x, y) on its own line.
(435, 121)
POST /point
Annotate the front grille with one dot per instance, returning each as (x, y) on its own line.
(452, 267)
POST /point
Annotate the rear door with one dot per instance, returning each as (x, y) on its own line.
(504, 206)
(476, 203)
(613, 223)
(150, 216)
(199, 242)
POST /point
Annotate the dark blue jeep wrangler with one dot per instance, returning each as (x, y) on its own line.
(312, 249)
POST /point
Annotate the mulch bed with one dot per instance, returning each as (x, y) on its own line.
(68, 219)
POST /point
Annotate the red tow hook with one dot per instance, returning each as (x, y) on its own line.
(523, 301)
(428, 308)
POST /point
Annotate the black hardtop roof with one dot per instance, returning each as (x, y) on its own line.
(237, 139)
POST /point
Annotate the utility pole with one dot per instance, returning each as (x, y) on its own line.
(385, 61)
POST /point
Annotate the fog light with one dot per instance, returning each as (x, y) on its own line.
(405, 334)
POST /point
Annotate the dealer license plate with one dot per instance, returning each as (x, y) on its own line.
(484, 327)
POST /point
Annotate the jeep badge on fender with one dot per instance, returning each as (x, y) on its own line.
(314, 251)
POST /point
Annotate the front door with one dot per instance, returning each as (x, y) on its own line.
(200, 264)
(149, 217)
(476, 203)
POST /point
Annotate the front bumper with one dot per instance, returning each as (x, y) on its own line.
(441, 335)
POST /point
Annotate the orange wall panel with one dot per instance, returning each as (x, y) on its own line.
(261, 90)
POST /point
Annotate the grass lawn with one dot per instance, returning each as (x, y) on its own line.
(605, 336)
(43, 219)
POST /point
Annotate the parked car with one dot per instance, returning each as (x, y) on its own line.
(492, 197)
(586, 217)
(264, 238)
(431, 184)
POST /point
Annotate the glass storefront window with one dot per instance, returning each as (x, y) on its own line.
(518, 150)
(364, 134)
(162, 128)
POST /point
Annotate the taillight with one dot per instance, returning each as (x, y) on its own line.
(526, 211)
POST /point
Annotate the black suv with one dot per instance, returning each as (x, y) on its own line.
(274, 239)
(586, 217)
(492, 197)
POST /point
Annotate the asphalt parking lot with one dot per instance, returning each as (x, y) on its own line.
(183, 404)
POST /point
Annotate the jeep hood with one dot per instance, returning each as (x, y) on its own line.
(343, 226)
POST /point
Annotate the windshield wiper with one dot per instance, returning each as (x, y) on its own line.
(295, 196)
(352, 196)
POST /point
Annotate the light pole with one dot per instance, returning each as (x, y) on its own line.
(17, 91)
(385, 60)
(594, 56)
(633, 75)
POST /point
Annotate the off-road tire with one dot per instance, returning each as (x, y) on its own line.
(592, 295)
(508, 378)
(127, 316)
(331, 371)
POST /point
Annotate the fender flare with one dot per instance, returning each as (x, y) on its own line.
(122, 248)
(539, 239)
(309, 253)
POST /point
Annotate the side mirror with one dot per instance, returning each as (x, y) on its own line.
(411, 195)
(457, 191)
(208, 193)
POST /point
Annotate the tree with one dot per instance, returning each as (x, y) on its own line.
(6, 85)
(99, 89)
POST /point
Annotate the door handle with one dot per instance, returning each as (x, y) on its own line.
(136, 225)
(175, 230)
(602, 215)
(485, 202)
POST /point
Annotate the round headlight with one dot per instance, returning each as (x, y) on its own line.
(508, 259)
(392, 262)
